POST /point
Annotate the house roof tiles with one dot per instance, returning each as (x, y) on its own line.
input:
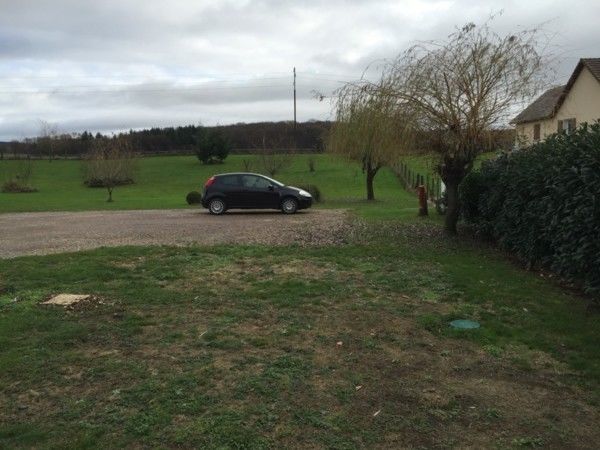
(546, 105)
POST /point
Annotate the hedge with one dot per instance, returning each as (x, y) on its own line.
(542, 203)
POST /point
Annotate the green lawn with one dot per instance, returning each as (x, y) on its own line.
(163, 182)
(259, 347)
(235, 347)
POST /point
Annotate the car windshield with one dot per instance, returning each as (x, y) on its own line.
(275, 182)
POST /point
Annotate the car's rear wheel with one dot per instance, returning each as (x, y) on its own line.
(289, 205)
(216, 206)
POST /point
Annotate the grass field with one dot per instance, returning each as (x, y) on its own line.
(260, 347)
(250, 347)
(163, 182)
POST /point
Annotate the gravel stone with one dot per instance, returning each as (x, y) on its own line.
(56, 232)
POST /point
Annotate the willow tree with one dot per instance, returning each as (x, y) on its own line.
(367, 128)
(459, 90)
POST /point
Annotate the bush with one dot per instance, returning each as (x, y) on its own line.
(16, 187)
(193, 198)
(211, 147)
(99, 183)
(18, 179)
(274, 161)
(541, 203)
(247, 165)
(312, 190)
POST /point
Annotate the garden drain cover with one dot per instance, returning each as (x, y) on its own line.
(464, 324)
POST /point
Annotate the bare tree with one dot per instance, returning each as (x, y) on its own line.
(46, 141)
(367, 129)
(458, 90)
(247, 164)
(110, 163)
(273, 158)
(17, 177)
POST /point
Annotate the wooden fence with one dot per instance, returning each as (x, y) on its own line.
(411, 179)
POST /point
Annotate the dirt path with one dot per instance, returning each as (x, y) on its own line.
(55, 232)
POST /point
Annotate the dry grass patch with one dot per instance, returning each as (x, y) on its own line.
(293, 348)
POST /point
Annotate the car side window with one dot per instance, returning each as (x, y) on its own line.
(229, 180)
(254, 182)
(261, 183)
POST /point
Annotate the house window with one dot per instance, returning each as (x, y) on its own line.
(536, 132)
(567, 125)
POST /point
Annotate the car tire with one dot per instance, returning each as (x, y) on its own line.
(289, 205)
(216, 206)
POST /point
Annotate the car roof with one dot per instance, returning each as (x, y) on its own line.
(239, 173)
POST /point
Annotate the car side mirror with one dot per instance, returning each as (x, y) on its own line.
(271, 187)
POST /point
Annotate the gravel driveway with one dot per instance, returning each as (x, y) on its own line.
(55, 232)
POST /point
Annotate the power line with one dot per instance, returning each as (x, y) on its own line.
(211, 77)
(132, 89)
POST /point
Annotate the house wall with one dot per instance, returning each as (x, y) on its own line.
(525, 130)
(582, 104)
(583, 101)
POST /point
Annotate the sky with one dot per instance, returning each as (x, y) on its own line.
(113, 65)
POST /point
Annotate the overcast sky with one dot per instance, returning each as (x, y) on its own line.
(118, 64)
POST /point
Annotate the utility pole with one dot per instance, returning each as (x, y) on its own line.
(294, 99)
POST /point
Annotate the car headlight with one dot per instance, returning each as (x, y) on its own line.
(303, 193)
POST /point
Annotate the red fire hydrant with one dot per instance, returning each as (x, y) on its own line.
(422, 192)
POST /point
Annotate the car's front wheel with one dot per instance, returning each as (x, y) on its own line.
(216, 206)
(289, 205)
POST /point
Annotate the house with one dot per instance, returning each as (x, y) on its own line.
(562, 108)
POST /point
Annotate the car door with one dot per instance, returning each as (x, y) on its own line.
(259, 192)
(232, 189)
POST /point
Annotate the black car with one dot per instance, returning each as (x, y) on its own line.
(251, 191)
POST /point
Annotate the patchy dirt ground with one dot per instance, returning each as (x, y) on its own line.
(56, 232)
(297, 348)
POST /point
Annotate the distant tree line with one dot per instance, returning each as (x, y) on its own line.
(241, 138)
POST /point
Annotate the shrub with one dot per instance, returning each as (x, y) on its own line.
(542, 204)
(312, 190)
(100, 183)
(275, 161)
(16, 187)
(211, 147)
(247, 164)
(18, 178)
(193, 198)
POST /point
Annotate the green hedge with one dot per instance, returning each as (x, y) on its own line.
(542, 203)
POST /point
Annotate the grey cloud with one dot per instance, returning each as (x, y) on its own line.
(162, 55)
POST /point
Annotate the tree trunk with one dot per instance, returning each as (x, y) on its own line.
(110, 194)
(370, 191)
(453, 210)
(371, 171)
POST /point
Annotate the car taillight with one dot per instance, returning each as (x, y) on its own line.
(210, 182)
